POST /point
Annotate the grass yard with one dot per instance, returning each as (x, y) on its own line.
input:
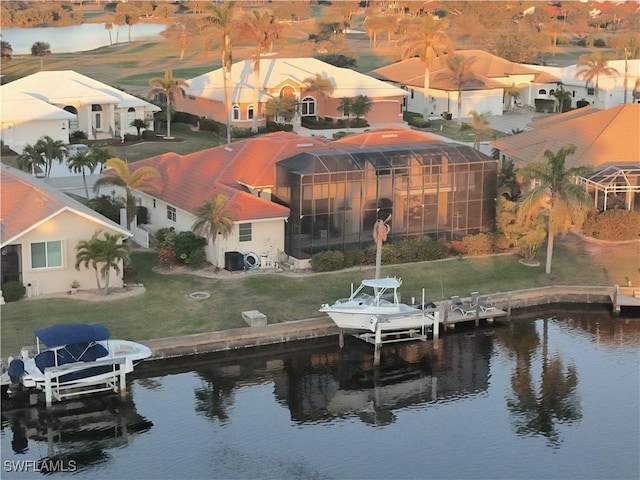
(166, 309)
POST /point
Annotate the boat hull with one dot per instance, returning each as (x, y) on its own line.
(387, 321)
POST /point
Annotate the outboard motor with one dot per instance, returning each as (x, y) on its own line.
(15, 371)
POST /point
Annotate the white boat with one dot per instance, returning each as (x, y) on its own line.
(73, 359)
(381, 308)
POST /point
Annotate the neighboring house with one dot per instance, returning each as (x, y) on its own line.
(605, 140)
(610, 88)
(76, 102)
(40, 230)
(285, 76)
(301, 195)
(494, 74)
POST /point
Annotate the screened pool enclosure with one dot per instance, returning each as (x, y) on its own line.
(435, 190)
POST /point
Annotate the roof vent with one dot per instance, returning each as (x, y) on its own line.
(228, 149)
(305, 145)
(389, 135)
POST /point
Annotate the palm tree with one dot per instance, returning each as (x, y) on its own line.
(108, 26)
(593, 66)
(41, 49)
(479, 124)
(221, 16)
(563, 201)
(319, 85)
(213, 218)
(285, 106)
(51, 150)
(143, 179)
(361, 106)
(87, 252)
(111, 254)
(81, 161)
(139, 124)
(562, 96)
(513, 92)
(425, 36)
(460, 73)
(101, 155)
(169, 87)
(30, 159)
(345, 107)
(263, 30)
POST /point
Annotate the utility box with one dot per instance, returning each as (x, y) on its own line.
(254, 318)
(233, 261)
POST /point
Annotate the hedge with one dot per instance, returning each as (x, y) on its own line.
(616, 225)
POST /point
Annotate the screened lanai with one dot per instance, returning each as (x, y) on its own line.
(614, 186)
(435, 190)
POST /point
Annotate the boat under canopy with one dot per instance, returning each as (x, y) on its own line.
(72, 333)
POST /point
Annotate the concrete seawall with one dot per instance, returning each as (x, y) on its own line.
(323, 326)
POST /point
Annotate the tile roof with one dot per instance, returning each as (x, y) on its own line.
(186, 180)
(27, 201)
(68, 86)
(386, 136)
(275, 72)
(600, 137)
(486, 66)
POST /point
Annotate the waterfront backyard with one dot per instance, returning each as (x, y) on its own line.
(165, 308)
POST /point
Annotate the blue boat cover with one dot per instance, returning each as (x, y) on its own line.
(60, 335)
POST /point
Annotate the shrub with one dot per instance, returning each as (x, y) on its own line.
(418, 122)
(479, 244)
(277, 127)
(13, 291)
(358, 123)
(319, 124)
(186, 244)
(617, 225)
(78, 135)
(209, 125)
(238, 132)
(130, 137)
(196, 259)
(107, 205)
(148, 135)
(165, 237)
(337, 60)
(353, 258)
(167, 256)
(328, 261)
(184, 117)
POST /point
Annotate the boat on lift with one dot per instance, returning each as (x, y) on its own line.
(376, 304)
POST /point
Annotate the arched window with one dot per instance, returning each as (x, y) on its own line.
(308, 107)
(542, 91)
(73, 123)
(552, 91)
(236, 112)
(250, 112)
(131, 115)
(287, 92)
(96, 108)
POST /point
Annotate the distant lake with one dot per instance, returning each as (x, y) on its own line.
(77, 38)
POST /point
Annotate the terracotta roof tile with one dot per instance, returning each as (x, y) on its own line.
(600, 137)
(386, 136)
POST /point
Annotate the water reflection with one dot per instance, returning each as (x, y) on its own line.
(77, 432)
(538, 406)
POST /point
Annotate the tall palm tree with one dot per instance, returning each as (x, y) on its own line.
(170, 87)
(561, 200)
(513, 92)
(31, 159)
(51, 150)
(213, 218)
(80, 162)
(143, 179)
(108, 26)
(425, 36)
(594, 65)
(318, 85)
(460, 73)
(222, 19)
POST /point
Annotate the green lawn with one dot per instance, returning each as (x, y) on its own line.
(167, 310)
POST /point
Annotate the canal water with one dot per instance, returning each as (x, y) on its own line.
(552, 395)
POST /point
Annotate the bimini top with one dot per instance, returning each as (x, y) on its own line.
(71, 333)
(382, 282)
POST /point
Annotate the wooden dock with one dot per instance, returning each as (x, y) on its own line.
(625, 297)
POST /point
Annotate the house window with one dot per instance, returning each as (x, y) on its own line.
(412, 93)
(250, 112)
(287, 92)
(236, 112)
(308, 107)
(154, 203)
(542, 91)
(171, 213)
(46, 254)
(591, 90)
(573, 94)
(552, 91)
(131, 115)
(244, 231)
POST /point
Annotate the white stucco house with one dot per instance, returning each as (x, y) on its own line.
(57, 103)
